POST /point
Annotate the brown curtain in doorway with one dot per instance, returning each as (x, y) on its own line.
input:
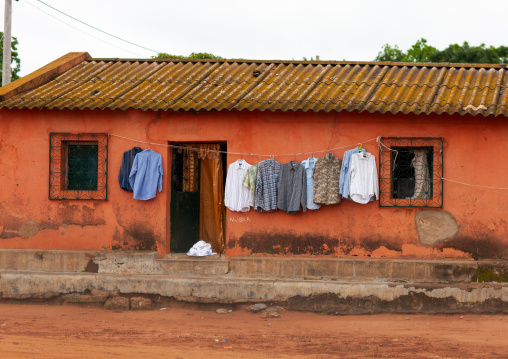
(211, 196)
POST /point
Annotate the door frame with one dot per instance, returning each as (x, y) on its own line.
(169, 166)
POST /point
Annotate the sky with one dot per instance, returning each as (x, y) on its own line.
(262, 29)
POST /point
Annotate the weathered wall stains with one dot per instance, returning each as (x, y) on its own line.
(79, 215)
(492, 272)
(434, 226)
(142, 235)
(292, 243)
(479, 245)
(413, 302)
(14, 225)
(29, 229)
(10, 224)
(283, 243)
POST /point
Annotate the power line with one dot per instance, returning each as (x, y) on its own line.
(97, 29)
(75, 28)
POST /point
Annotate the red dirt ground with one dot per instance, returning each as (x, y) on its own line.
(46, 331)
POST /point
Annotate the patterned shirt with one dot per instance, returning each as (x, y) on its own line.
(326, 180)
(266, 186)
(309, 164)
(250, 182)
(236, 197)
(292, 187)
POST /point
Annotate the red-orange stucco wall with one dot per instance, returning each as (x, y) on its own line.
(473, 153)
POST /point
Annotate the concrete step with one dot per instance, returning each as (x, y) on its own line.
(355, 269)
(276, 268)
(178, 264)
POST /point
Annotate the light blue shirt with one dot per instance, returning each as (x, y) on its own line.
(309, 164)
(344, 173)
(146, 175)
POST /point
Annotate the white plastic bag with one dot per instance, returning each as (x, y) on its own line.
(200, 249)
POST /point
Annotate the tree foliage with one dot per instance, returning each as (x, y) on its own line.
(14, 57)
(455, 53)
(194, 55)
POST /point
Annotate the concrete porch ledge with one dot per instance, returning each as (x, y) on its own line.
(322, 296)
(296, 268)
(342, 285)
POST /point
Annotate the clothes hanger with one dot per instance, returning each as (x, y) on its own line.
(360, 148)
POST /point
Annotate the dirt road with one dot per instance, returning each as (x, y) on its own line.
(46, 331)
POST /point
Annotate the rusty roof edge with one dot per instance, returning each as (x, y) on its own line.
(43, 75)
(321, 62)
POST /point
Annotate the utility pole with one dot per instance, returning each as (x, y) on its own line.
(6, 68)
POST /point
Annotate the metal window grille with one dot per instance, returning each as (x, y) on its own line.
(78, 166)
(411, 172)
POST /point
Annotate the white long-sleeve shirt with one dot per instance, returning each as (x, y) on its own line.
(237, 197)
(363, 183)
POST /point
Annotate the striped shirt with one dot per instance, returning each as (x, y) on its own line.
(292, 187)
(309, 164)
(266, 185)
(236, 197)
(344, 172)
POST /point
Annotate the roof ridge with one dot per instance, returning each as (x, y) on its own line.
(320, 62)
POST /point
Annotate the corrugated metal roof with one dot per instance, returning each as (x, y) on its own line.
(215, 85)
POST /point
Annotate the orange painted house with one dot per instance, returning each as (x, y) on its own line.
(456, 114)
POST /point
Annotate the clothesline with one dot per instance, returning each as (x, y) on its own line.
(377, 139)
(473, 185)
(242, 153)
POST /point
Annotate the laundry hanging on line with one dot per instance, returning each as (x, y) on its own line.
(363, 180)
(146, 175)
(327, 181)
(237, 197)
(126, 166)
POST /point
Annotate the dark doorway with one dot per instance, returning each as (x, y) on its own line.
(187, 213)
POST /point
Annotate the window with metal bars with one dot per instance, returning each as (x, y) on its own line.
(78, 166)
(82, 166)
(410, 172)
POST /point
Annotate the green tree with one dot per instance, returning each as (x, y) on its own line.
(471, 54)
(389, 53)
(419, 52)
(194, 55)
(14, 57)
(422, 52)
